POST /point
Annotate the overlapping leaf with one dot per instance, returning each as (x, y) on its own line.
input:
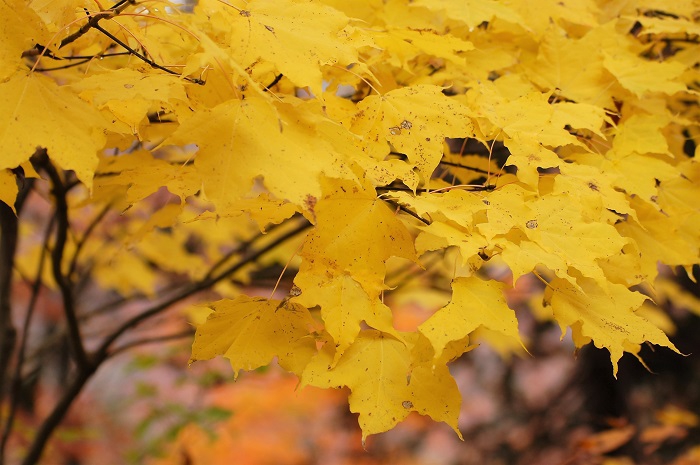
(251, 331)
(36, 112)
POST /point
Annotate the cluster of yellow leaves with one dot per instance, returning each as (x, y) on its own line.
(340, 111)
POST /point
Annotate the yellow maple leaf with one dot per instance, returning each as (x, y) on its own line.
(36, 112)
(385, 389)
(475, 303)
(140, 174)
(593, 190)
(472, 12)
(57, 13)
(506, 208)
(657, 238)
(298, 37)
(20, 30)
(263, 209)
(558, 227)
(558, 67)
(414, 120)
(523, 256)
(604, 315)
(528, 155)
(166, 251)
(530, 116)
(402, 45)
(240, 140)
(251, 331)
(8, 188)
(455, 205)
(124, 272)
(440, 235)
(641, 134)
(355, 233)
(129, 94)
(344, 306)
(549, 12)
(642, 76)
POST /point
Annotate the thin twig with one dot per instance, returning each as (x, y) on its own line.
(406, 210)
(470, 168)
(150, 340)
(238, 250)
(277, 79)
(193, 289)
(95, 18)
(79, 246)
(142, 57)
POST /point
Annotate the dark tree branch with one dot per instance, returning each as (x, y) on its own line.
(69, 65)
(143, 57)
(195, 288)
(63, 280)
(8, 247)
(56, 416)
(16, 386)
(95, 18)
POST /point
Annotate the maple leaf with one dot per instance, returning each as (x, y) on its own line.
(402, 45)
(375, 368)
(36, 112)
(559, 228)
(344, 306)
(558, 67)
(472, 12)
(475, 303)
(355, 233)
(8, 188)
(129, 95)
(642, 76)
(251, 331)
(140, 175)
(20, 30)
(415, 121)
(240, 140)
(297, 37)
(604, 315)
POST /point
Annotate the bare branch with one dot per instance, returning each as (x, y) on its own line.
(150, 340)
(63, 280)
(79, 246)
(16, 386)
